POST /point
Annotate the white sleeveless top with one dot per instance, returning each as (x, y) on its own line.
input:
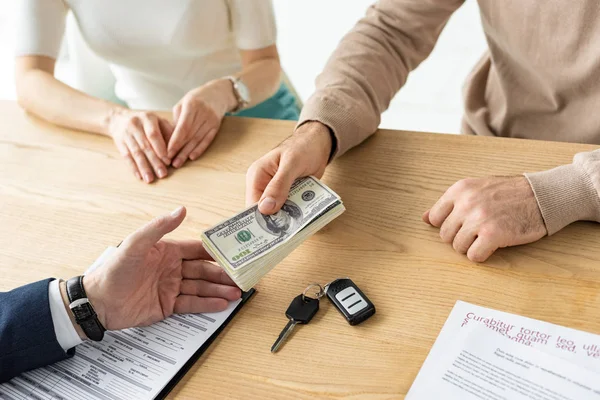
(157, 50)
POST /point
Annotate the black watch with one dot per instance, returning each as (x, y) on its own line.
(82, 310)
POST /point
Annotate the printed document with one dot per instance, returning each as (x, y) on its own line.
(131, 364)
(487, 354)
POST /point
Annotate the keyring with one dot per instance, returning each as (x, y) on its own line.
(319, 294)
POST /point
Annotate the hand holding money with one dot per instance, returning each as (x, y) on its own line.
(250, 244)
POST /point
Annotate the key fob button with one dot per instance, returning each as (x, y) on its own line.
(351, 300)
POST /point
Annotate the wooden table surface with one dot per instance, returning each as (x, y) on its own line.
(66, 196)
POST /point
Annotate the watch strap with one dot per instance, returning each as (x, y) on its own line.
(241, 102)
(83, 311)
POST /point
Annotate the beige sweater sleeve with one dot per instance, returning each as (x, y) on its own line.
(569, 193)
(372, 63)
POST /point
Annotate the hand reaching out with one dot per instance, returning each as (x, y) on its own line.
(269, 179)
(149, 278)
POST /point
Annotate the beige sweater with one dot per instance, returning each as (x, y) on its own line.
(540, 80)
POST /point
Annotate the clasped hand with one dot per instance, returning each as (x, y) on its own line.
(150, 143)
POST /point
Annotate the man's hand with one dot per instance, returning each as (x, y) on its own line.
(269, 179)
(478, 216)
(141, 138)
(147, 279)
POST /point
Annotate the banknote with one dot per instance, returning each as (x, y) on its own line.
(242, 239)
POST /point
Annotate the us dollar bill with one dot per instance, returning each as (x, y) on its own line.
(249, 235)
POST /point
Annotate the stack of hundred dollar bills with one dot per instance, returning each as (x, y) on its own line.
(250, 244)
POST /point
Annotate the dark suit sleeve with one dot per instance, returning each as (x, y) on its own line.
(27, 338)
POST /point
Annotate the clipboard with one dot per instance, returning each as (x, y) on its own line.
(186, 367)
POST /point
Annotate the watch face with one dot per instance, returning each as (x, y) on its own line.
(243, 91)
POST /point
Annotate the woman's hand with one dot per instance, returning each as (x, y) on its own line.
(197, 118)
(141, 138)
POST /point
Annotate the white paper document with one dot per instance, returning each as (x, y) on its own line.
(487, 354)
(131, 364)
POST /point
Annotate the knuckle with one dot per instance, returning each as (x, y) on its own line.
(446, 235)
(154, 134)
(480, 213)
(186, 126)
(464, 185)
(137, 153)
(458, 247)
(460, 186)
(489, 231)
(145, 115)
(157, 222)
(132, 126)
(467, 200)
(192, 101)
(254, 168)
(134, 120)
(443, 236)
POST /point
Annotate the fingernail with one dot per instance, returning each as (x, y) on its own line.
(177, 211)
(162, 173)
(166, 160)
(268, 204)
(177, 163)
(147, 178)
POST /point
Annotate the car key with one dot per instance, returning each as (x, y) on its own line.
(350, 301)
(301, 310)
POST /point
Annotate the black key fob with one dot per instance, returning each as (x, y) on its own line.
(350, 301)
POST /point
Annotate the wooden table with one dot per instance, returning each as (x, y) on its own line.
(66, 196)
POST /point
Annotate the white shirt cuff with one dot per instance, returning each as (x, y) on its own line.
(66, 335)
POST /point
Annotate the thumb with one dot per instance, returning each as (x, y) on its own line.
(147, 236)
(277, 190)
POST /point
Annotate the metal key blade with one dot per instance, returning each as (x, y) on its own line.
(289, 327)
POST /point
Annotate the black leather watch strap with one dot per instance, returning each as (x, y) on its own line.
(82, 310)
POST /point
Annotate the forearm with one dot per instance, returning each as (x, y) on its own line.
(43, 95)
(262, 77)
(570, 192)
(372, 63)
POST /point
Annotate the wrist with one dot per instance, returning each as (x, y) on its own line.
(564, 195)
(62, 285)
(320, 135)
(111, 118)
(92, 290)
(223, 96)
